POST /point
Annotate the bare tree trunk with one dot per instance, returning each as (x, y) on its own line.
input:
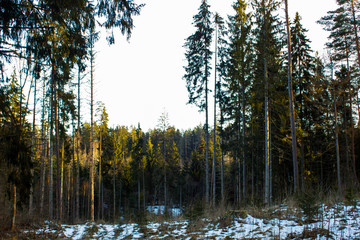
(57, 154)
(61, 181)
(337, 146)
(34, 148)
(139, 194)
(143, 179)
(291, 102)
(243, 139)
(14, 209)
(114, 189)
(207, 197)
(51, 129)
(77, 207)
(43, 151)
(99, 195)
(92, 208)
(351, 117)
(267, 139)
(214, 154)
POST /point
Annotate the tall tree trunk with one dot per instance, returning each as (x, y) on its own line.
(291, 102)
(92, 208)
(143, 180)
(61, 181)
(77, 207)
(139, 194)
(351, 116)
(99, 195)
(34, 148)
(267, 139)
(51, 129)
(207, 188)
(114, 187)
(267, 123)
(43, 153)
(214, 154)
(57, 154)
(243, 139)
(165, 170)
(337, 146)
(14, 209)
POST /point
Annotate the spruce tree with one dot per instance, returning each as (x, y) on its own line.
(238, 80)
(198, 56)
(267, 76)
(302, 73)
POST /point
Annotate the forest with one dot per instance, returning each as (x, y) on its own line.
(286, 119)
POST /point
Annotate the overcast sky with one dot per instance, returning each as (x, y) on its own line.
(139, 79)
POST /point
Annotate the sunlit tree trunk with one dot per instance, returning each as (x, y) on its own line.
(99, 194)
(77, 207)
(92, 209)
(51, 129)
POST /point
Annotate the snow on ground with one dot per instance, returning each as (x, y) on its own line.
(335, 222)
(160, 210)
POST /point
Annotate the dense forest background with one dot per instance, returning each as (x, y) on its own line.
(57, 167)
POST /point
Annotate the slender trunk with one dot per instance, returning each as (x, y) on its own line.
(69, 189)
(139, 194)
(14, 209)
(99, 196)
(57, 154)
(77, 207)
(43, 151)
(61, 181)
(34, 148)
(301, 114)
(207, 188)
(222, 173)
(351, 116)
(165, 190)
(92, 208)
(267, 122)
(214, 151)
(267, 140)
(243, 139)
(337, 146)
(51, 129)
(143, 179)
(291, 102)
(114, 189)
(165, 171)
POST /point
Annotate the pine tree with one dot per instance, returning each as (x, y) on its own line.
(344, 43)
(198, 56)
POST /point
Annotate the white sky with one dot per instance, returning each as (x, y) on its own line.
(138, 80)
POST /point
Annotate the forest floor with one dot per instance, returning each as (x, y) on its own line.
(338, 221)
